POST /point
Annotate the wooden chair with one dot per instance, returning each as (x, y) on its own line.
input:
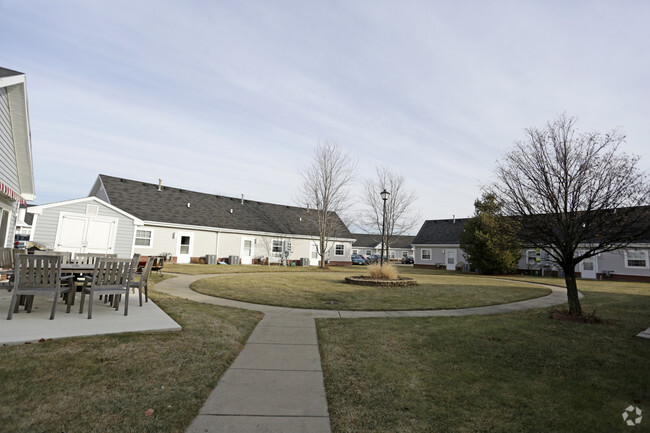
(143, 283)
(37, 275)
(110, 277)
(6, 265)
(89, 258)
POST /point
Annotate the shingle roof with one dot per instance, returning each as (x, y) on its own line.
(180, 206)
(4, 72)
(371, 240)
(444, 232)
(366, 240)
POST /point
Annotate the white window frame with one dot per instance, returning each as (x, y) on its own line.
(643, 252)
(428, 251)
(355, 251)
(276, 247)
(532, 256)
(405, 254)
(135, 238)
(336, 249)
(368, 253)
(392, 254)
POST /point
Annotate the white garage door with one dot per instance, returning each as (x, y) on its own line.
(80, 233)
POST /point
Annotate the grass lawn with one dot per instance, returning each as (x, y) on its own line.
(436, 290)
(106, 383)
(519, 372)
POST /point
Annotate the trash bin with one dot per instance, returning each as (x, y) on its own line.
(233, 260)
(211, 259)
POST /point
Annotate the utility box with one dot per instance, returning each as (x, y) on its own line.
(233, 260)
(211, 259)
(304, 261)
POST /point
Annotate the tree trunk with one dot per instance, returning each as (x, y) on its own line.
(572, 292)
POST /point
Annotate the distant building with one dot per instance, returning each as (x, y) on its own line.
(437, 246)
(370, 244)
(189, 226)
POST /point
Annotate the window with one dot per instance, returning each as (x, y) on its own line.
(143, 238)
(392, 254)
(355, 251)
(277, 247)
(405, 253)
(339, 250)
(369, 252)
(531, 257)
(636, 259)
(185, 245)
(426, 254)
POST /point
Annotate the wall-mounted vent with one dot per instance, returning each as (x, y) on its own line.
(92, 209)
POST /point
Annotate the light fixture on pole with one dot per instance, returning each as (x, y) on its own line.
(384, 196)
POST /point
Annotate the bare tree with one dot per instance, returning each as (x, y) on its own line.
(400, 216)
(324, 192)
(577, 196)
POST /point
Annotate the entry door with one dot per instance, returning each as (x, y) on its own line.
(184, 247)
(313, 254)
(589, 268)
(247, 251)
(451, 260)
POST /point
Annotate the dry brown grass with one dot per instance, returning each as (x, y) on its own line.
(383, 272)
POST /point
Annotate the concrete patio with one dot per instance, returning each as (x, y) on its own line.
(32, 327)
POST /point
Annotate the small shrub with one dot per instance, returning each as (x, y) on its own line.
(385, 272)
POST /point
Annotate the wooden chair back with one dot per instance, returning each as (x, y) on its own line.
(111, 272)
(37, 272)
(6, 258)
(65, 255)
(90, 258)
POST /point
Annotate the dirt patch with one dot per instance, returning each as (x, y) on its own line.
(564, 316)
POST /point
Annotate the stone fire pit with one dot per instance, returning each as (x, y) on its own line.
(362, 280)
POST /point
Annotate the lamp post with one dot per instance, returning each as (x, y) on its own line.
(384, 196)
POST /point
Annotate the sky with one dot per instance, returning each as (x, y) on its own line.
(231, 97)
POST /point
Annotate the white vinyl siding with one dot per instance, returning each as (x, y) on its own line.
(8, 164)
(45, 228)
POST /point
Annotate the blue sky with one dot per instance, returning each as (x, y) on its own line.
(230, 97)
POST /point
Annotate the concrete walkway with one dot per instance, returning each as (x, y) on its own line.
(276, 382)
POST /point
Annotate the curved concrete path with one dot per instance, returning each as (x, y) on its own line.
(276, 382)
